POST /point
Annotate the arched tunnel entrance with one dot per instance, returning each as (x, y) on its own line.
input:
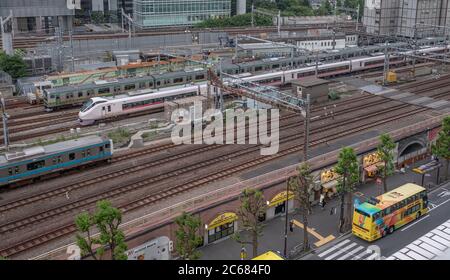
(412, 148)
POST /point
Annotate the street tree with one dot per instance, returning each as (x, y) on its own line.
(386, 152)
(252, 207)
(301, 185)
(13, 65)
(348, 169)
(107, 220)
(442, 146)
(187, 236)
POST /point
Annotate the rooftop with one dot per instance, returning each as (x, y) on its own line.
(310, 82)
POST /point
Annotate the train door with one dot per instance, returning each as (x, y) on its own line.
(103, 111)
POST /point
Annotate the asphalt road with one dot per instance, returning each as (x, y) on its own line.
(424, 239)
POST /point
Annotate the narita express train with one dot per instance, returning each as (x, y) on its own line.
(99, 108)
(38, 162)
(74, 95)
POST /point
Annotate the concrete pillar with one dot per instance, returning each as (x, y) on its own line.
(241, 7)
(39, 24)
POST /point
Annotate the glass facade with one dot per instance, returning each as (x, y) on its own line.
(154, 13)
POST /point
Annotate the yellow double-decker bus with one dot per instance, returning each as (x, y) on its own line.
(384, 214)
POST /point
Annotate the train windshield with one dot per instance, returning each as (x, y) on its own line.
(87, 105)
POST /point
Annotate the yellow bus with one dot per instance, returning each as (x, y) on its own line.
(268, 256)
(386, 213)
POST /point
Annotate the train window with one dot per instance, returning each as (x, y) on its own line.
(150, 84)
(158, 83)
(177, 80)
(52, 96)
(88, 152)
(16, 170)
(36, 165)
(117, 88)
(101, 149)
(130, 87)
(71, 156)
(83, 154)
(167, 82)
(109, 108)
(142, 85)
(10, 172)
(54, 161)
(107, 146)
(80, 94)
(200, 77)
(103, 90)
(189, 78)
(90, 92)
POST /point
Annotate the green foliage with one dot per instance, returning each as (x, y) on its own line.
(348, 168)
(187, 237)
(13, 65)
(301, 186)
(442, 146)
(238, 20)
(119, 135)
(333, 95)
(386, 152)
(107, 220)
(252, 207)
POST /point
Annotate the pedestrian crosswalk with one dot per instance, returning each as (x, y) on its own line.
(430, 246)
(350, 250)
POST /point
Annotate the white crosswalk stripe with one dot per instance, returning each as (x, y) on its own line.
(428, 247)
(347, 250)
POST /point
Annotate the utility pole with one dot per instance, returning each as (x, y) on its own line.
(305, 114)
(357, 17)
(317, 64)
(7, 37)
(59, 45)
(220, 89)
(386, 63)
(253, 20)
(286, 209)
(130, 25)
(279, 23)
(5, 123)
(71, 49)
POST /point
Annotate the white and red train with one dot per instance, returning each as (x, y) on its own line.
(99, 108)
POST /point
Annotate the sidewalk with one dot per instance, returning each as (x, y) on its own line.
(320, 221)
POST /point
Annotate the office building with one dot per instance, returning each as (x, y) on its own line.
(39, 15)
(156, 13)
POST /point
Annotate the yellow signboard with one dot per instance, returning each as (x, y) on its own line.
(279, 198)
(328, 175)
(371, 159)
(223, 219)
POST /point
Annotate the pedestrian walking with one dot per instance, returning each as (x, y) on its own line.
(322, 200)
(332, 211)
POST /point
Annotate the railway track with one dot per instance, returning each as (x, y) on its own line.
(179, 188)
(31, 42)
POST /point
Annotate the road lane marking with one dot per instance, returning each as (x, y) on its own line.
(439, 205)
(421, 219)
(340, 251)
(361, 255)
(351, 253)
(431, 249)
(337, 246)
(441, 240)
(401, 256)
(415, 256)
(421, 251)
(313, 232)
(441, 234)
(433, 243)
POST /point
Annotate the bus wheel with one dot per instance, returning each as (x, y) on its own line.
(391, 229)
(418, 215)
